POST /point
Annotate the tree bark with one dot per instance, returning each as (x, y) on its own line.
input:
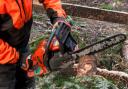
(87, 66)
(115, 75)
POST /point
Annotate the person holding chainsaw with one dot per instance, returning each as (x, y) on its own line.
(17, 66)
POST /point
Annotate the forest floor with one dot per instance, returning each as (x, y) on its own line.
(119, 5)
(90, 31)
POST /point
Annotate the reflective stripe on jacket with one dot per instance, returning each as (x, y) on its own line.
(15, 24)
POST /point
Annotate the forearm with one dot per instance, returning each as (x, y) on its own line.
(8, 54)
(54, 8)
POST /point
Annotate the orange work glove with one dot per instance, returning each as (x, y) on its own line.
(34, 63)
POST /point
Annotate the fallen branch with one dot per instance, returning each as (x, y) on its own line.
(116, 75)
(87, 66)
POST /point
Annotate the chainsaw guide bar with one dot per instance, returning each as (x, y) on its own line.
(100, 45)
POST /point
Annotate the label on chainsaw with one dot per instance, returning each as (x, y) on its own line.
(101, 45)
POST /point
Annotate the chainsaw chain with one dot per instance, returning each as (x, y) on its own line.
(101, 45)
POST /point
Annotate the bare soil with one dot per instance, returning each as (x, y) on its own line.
(120, 5)
(92, 29)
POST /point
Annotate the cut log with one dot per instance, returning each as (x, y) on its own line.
(87, 66)
(125, 51)
(115, 75)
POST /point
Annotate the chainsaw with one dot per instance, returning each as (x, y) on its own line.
(67, 46)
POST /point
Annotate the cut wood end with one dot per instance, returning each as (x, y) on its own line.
(86, 66)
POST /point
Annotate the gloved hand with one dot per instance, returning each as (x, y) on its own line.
(61, 30)
(59, 19)
(63, 35)
(34, 64)
(37, 64)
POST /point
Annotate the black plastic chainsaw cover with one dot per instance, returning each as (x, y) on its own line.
(67, 42)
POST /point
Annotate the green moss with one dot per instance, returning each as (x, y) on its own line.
(106, 6)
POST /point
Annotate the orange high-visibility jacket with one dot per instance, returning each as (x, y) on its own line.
(15, 25)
